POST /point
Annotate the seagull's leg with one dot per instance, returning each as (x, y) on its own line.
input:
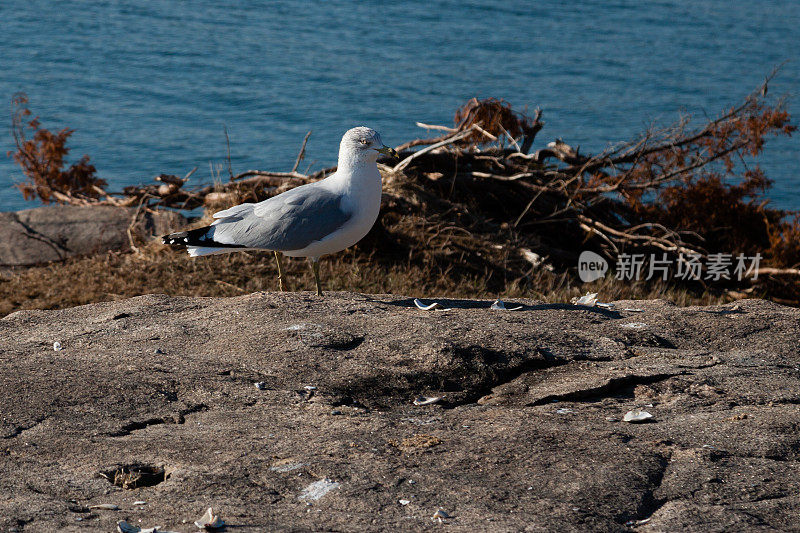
(280, 269)
(315, 269)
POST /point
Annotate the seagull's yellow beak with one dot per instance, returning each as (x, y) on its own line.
(385, 150)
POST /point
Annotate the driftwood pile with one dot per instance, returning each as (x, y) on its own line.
(478, 199)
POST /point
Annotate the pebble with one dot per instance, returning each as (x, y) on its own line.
(57, 346)
(261, 385)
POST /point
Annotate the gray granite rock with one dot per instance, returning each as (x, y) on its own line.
(528, 435)
(53, 233)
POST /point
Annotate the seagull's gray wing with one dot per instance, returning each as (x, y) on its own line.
(289, 221)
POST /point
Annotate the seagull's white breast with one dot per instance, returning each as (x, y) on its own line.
(360, 189)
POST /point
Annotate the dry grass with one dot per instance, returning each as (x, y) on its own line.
(115, 275)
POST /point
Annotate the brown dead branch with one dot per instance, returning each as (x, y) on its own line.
(467, 199)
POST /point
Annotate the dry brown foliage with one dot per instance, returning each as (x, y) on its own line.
(41, 157)
(463, 216)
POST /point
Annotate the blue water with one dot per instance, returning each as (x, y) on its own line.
(149, 84)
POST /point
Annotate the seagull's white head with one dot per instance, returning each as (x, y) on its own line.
(363, 144)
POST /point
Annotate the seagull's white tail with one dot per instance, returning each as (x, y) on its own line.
(197, 251)
(198, 242)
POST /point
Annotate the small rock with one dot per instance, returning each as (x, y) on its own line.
(105, 507)
(57, 346)
(158, 351)
(563, 411)
(140, 502)
(440, 515)
(637, 415)
(261, 385)
(336, 412)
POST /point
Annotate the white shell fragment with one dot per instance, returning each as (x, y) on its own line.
(589, 299)
(260, 385)
(633, 310)
(637, 415)
(564, 411)
(296, 327)
(403, 502)
(634, 325)
(140, 502)
(57, 346)
(124, 527)
(431, 307)
(105, 507)
(500, 305)
(209, 520)
(318, 489)
(427, 400)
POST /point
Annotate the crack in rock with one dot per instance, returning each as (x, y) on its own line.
(20, 429)
(612, 387)
(130, 427)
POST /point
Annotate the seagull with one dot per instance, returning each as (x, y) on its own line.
(311, 220)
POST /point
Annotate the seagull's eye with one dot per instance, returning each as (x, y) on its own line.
(363, 141)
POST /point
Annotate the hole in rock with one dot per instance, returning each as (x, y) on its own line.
(136, 475)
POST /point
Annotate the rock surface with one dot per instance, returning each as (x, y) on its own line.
(528, 435)
(55, 232)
